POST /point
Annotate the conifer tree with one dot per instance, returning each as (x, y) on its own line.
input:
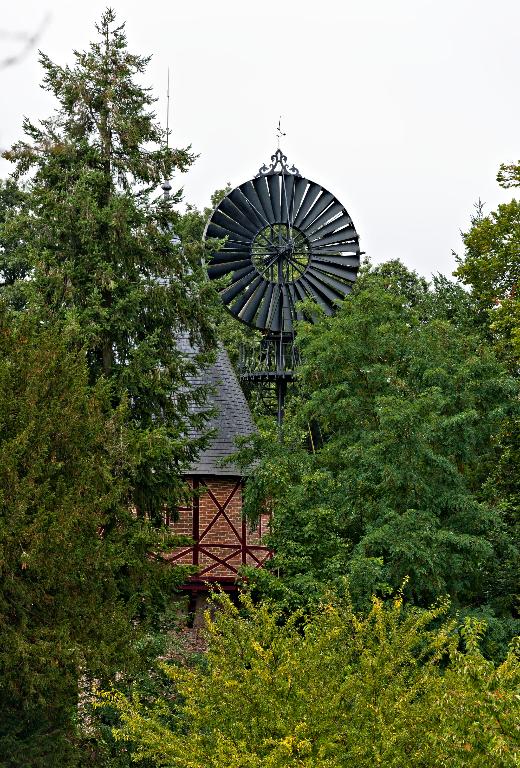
(79, 585)
(95, 237)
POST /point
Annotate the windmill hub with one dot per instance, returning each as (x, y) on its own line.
(280, 253)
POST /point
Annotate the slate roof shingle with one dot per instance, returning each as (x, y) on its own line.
(232, 418)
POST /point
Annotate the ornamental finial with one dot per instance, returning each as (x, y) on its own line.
(278, 159)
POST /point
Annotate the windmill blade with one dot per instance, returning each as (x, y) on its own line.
(300, 187)
(330, 218)
(223, 269)
(263, 193)
(340, 249)
(342, 236)
(244, 298)
(252, 305)
(326, 280)
(273, 182)
(236, 215)
(215, 230)
(312, 293)
(231, 226)
(328, 294)
(299, 291)
(322, 202)
(336, 257)
(297, 313)
(251, 195)
(261, 320)
(333, 216)
(248, 209)
(228, 255)
(286, 312)
(310, 198)
(228, 294)
(274, 321)
(329, 269)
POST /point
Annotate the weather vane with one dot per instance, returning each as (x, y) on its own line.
(279, 132)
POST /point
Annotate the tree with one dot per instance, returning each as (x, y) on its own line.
(389, 442)
(491, 266)
(81, 577)
(100, 256)
(390, 688)
(14, 267)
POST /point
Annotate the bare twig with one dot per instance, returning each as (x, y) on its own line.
(28, 40)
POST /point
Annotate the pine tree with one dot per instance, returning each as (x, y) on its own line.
(81, 576)
(96, 239)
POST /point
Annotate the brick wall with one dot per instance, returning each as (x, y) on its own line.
(213, 520)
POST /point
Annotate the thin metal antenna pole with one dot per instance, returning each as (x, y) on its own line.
(166, 186)
(168, 111)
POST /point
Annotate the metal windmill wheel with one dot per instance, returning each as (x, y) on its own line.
(287, 239)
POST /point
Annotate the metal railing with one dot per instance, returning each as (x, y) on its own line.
(274, 356)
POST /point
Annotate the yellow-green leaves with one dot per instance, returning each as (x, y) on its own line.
(397, 687)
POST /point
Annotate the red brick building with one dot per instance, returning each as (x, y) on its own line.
(223, 541)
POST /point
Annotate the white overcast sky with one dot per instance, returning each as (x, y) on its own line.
(404, 109)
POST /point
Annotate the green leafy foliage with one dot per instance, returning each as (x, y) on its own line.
(394, 687)
(389, 441)
(491, 266)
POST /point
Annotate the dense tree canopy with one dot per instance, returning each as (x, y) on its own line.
(389, 440)
(76, 565)
(92, 239)
(398, 470)
(392, 688)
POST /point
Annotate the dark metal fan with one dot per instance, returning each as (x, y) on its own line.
(287, 239)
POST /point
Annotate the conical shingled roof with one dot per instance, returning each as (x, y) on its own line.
(232, 417)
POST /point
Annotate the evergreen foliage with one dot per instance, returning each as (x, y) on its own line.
(79, 583)
(491, 266)
(98, 251)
